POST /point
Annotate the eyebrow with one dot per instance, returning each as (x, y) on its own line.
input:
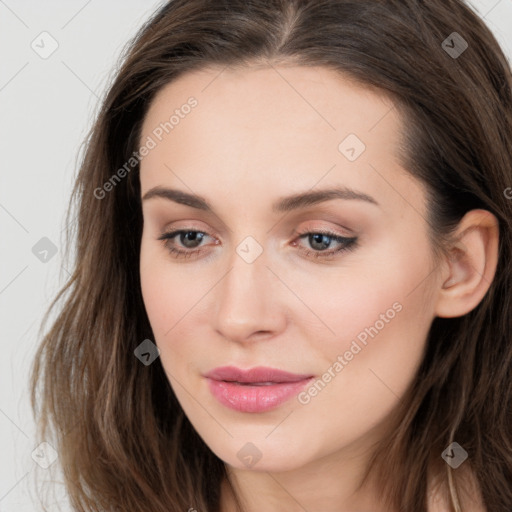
(285, 204)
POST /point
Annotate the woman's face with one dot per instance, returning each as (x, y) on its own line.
(247, 163)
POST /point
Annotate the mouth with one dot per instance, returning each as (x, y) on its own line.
(255, 390)
(253, 383)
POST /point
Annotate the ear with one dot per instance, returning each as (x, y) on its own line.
(470, 266)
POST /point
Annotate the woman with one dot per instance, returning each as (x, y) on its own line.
(292, 285)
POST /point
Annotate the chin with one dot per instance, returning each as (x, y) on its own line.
(274, 465)
(261, 457)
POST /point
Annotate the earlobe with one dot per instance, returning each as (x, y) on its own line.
(471, 265)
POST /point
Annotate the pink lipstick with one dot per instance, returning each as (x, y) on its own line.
(258, 389)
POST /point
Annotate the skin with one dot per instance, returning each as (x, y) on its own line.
(257, 135)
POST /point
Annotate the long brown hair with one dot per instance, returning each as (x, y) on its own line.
(123, 440)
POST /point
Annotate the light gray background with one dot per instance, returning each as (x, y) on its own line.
(46, 108)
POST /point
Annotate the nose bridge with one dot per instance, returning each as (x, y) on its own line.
(244, 302)
(246, 278)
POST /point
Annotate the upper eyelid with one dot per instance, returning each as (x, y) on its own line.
(349, 233)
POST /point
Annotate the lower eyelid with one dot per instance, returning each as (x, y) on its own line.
(171, 236)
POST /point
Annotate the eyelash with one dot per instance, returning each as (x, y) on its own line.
(349, 244)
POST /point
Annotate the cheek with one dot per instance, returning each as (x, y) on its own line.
(380, 287)
(376, 312)
(174, 302)
(381, 314)
(168, 291)
(158, 300)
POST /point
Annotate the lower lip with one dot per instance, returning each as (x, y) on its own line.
(247, 398)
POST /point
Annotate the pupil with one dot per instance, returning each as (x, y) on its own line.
(319, 238)
(191, 236)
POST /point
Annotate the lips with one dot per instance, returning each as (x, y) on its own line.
(257, 389)
(257, 375)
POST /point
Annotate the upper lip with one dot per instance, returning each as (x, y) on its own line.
(257, 374)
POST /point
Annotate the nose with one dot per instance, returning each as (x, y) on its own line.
(247, 302)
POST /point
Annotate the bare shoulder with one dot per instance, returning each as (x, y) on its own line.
(470, 498)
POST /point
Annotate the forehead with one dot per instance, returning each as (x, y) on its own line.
(314, 97)
(286, 127)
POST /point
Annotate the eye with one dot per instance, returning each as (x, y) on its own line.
(320, 241)
(189, 238)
